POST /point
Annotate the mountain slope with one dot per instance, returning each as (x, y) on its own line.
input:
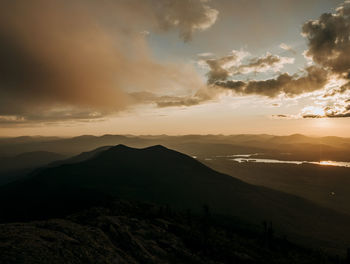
(79, 158)
(126, 232)
(157, 174)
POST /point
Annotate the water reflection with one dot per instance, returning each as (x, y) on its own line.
(322, 163)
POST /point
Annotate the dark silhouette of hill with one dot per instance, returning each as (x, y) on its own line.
(159, 175)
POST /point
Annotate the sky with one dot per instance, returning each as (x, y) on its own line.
(174, 67)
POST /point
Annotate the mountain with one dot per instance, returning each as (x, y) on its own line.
(14, 167)
(79, 158)
(65, 146)
(163, 176)
(26, 139)
(28, 160)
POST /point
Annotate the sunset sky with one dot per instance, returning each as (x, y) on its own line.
(72, 67)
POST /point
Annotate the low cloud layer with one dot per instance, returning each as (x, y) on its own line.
(337, 110)
(85, 56)
(202, 95)
(313, 79)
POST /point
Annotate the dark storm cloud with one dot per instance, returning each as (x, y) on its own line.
(290, 85)
(84, 55)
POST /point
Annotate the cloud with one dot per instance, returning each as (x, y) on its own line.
(329, 55)
(338, 110)
(232, 64)
(276, 104)
(205, 54)
(51, 116)
(187, 16)
(329, 47)
(202, 95)
(328, 69)
(266, 63)
(220, 67)
(87, 55)
(282, 116)
(314, 78)
(287, 48)
(329, 40)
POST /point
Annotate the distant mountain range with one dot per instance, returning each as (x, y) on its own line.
(162, 176)
(298, 146)
(28, 160)
(15, 167)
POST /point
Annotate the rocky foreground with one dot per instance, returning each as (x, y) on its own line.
(125, 232)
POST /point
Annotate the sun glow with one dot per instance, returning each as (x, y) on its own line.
(324, 123)
(327, 163)
(334, 163)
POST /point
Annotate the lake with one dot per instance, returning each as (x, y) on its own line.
(321, 163)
